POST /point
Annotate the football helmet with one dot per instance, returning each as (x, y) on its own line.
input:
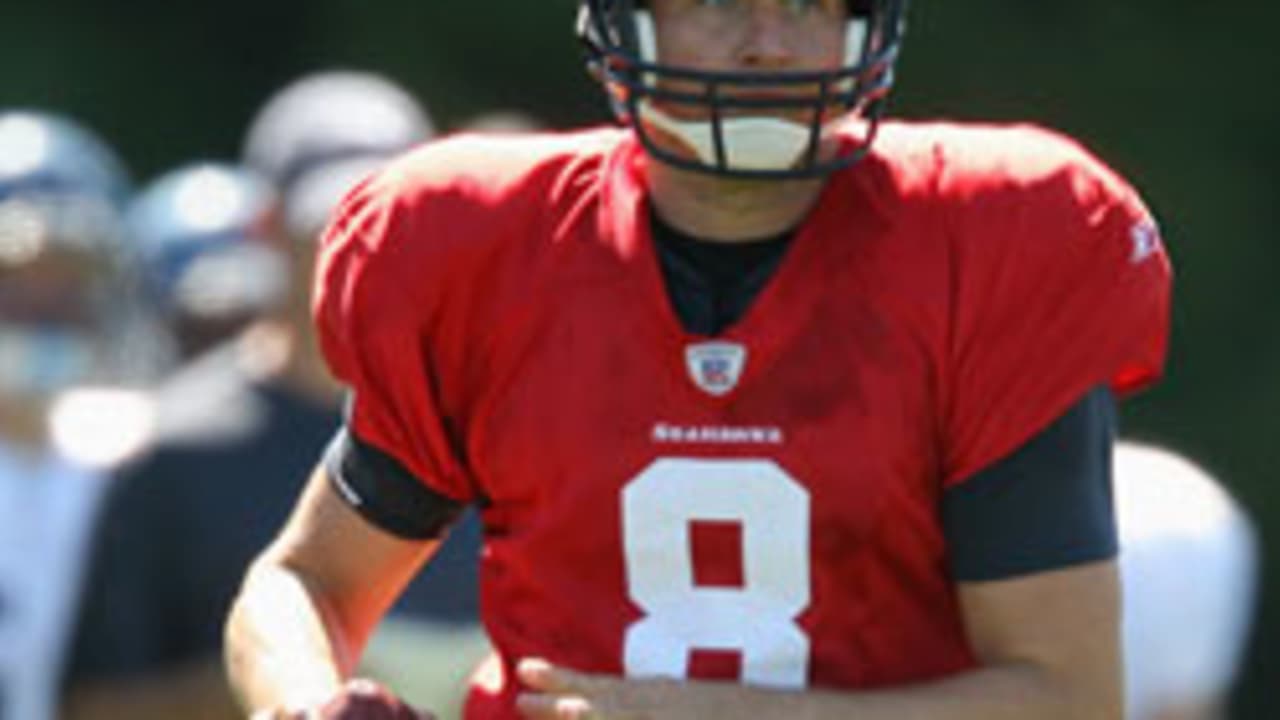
(65, 271)
(741, 133)
(210, 261)
(320, 134)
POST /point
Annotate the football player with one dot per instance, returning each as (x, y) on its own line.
(211, 263)
(241, 424)
(325, 131)
(67, 320)
(771, 408)
(502, 122)
(1189, 566)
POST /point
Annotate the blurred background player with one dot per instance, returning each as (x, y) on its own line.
(1188, 563)
(502, 121)
(315, 139)
(244, 418)
(325, 131)
(211, 264)
(216, 274)
(68, 326)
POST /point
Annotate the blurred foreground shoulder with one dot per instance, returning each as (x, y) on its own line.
(1189, 560)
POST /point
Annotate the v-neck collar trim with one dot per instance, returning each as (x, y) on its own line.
(779, 310)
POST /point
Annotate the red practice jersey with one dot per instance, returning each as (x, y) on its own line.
(761, 505)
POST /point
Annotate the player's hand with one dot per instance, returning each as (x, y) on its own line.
(359, 699)
(556, 693)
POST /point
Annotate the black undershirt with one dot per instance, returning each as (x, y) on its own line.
(1047, 505)
(711, 284)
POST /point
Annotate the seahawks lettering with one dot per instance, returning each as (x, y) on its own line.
(671, 433)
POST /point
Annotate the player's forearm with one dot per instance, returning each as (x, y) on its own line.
(282, 647)
(998, 692)
(995, 693)
(1014, 692)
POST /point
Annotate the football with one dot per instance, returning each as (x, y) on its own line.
(367, 700)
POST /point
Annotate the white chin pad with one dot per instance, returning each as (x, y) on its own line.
(750, 143)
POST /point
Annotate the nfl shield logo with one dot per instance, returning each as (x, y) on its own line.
(716, 366)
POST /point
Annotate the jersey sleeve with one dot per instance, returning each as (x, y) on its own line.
(1060, 285)
(380, 290)
(1045, 506)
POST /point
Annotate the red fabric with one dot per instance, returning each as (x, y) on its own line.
(715, 664)
(716, 549)
(1055, 294)
(498, 309)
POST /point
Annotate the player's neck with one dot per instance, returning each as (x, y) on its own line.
(726, 210)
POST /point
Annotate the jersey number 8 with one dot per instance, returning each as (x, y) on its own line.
(757, 620)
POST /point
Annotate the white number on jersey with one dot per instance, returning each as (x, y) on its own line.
(758, 620)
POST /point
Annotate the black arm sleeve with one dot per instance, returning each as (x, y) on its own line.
(1048, 505)
(385, 493)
